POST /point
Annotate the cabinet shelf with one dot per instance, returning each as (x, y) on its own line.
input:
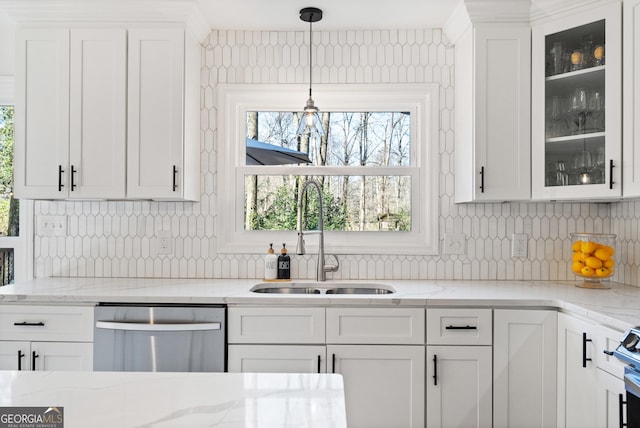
(577, 73)
(576, 137)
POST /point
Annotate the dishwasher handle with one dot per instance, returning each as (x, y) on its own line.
(145, 326)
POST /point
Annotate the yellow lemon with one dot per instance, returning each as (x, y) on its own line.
(593, 262)
(609, 249)
(577, 256)
(609, 263)
(588, 247)
(602, 272)
(577, 246)
(602, 254)
(587, 271)
(577, 266)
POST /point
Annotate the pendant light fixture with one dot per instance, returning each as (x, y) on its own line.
(310, 121)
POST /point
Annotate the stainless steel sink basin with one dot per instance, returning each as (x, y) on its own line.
(285, 290)
(319, 287)
(359, 290)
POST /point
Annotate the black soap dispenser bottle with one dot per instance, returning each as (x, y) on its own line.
(284, 264)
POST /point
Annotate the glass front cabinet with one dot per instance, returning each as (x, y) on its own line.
(576, 99)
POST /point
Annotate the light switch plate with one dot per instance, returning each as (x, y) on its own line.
(454, 243)
(519, 246)
(51, 225)
(164, 242)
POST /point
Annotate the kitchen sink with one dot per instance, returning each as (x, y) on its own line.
(270, 289)
(319, 287)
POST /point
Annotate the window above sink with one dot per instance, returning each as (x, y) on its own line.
(414, 173)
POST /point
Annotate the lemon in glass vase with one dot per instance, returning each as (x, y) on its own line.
(592, 258)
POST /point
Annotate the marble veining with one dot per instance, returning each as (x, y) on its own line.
(225, 400)
(618, 308)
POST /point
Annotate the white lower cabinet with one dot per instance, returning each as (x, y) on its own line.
(378, 351)
(31, 356)
(46, 337)
(610, 394)
(384, 384)
(589, 381)
(576, 373)
(458, 367)
(459, 386)
(524, 368)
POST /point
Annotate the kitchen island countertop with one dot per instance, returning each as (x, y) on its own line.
(618, 307)
(136, 399)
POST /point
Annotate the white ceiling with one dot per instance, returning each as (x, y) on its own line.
(338, 14)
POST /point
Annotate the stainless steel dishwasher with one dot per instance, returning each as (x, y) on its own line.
(160, 338)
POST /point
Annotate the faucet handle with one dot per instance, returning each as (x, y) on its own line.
(332, 268)
(300, 245)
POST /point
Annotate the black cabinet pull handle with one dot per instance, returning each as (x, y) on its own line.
(34, 355)
(611, 166)
(333, 363)
(175, 175)
(610, 353)
(584, 349)
(481, 179)
(60, 171)
(20, 357)
(435, 369)
(621, 404)
(318, 363)
(73, 174)
(30, 324)
(461, 327)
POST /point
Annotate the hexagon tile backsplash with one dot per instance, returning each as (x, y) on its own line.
(115, 239)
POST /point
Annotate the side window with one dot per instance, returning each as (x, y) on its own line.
(9, 206)
(16, 217)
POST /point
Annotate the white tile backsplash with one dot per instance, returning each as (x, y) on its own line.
(115, 239)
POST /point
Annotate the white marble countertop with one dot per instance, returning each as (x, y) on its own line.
(618, 307)
(225, 400)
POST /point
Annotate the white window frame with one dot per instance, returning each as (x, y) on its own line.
(23, 244)
(233, 101)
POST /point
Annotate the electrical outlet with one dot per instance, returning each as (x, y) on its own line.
(52, 225)
(454, 243)
(164, 242)
(519, 245)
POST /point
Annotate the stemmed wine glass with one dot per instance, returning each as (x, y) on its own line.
(578, 107)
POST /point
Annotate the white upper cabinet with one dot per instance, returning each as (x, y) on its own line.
(41, 155)
(576, 79)
(161, 103)
(492, 120)
(97, 138)
(631, 99)
(107, 113)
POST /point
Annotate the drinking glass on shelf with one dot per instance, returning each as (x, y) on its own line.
(587, 51)
(595, 119)
(558, 122)
(581, 166)
(578, 109)
(557, 57)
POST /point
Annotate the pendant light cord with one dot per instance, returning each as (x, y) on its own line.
(310, 54)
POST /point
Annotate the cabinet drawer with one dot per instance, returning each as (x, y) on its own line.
(459, 327)
(375, 326)
(46, 323)
(608, 339)
(276, 325)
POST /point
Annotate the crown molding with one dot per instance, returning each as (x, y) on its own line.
(498, 10)
(186, 12)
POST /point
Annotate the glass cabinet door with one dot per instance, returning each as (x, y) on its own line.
(576, 116)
